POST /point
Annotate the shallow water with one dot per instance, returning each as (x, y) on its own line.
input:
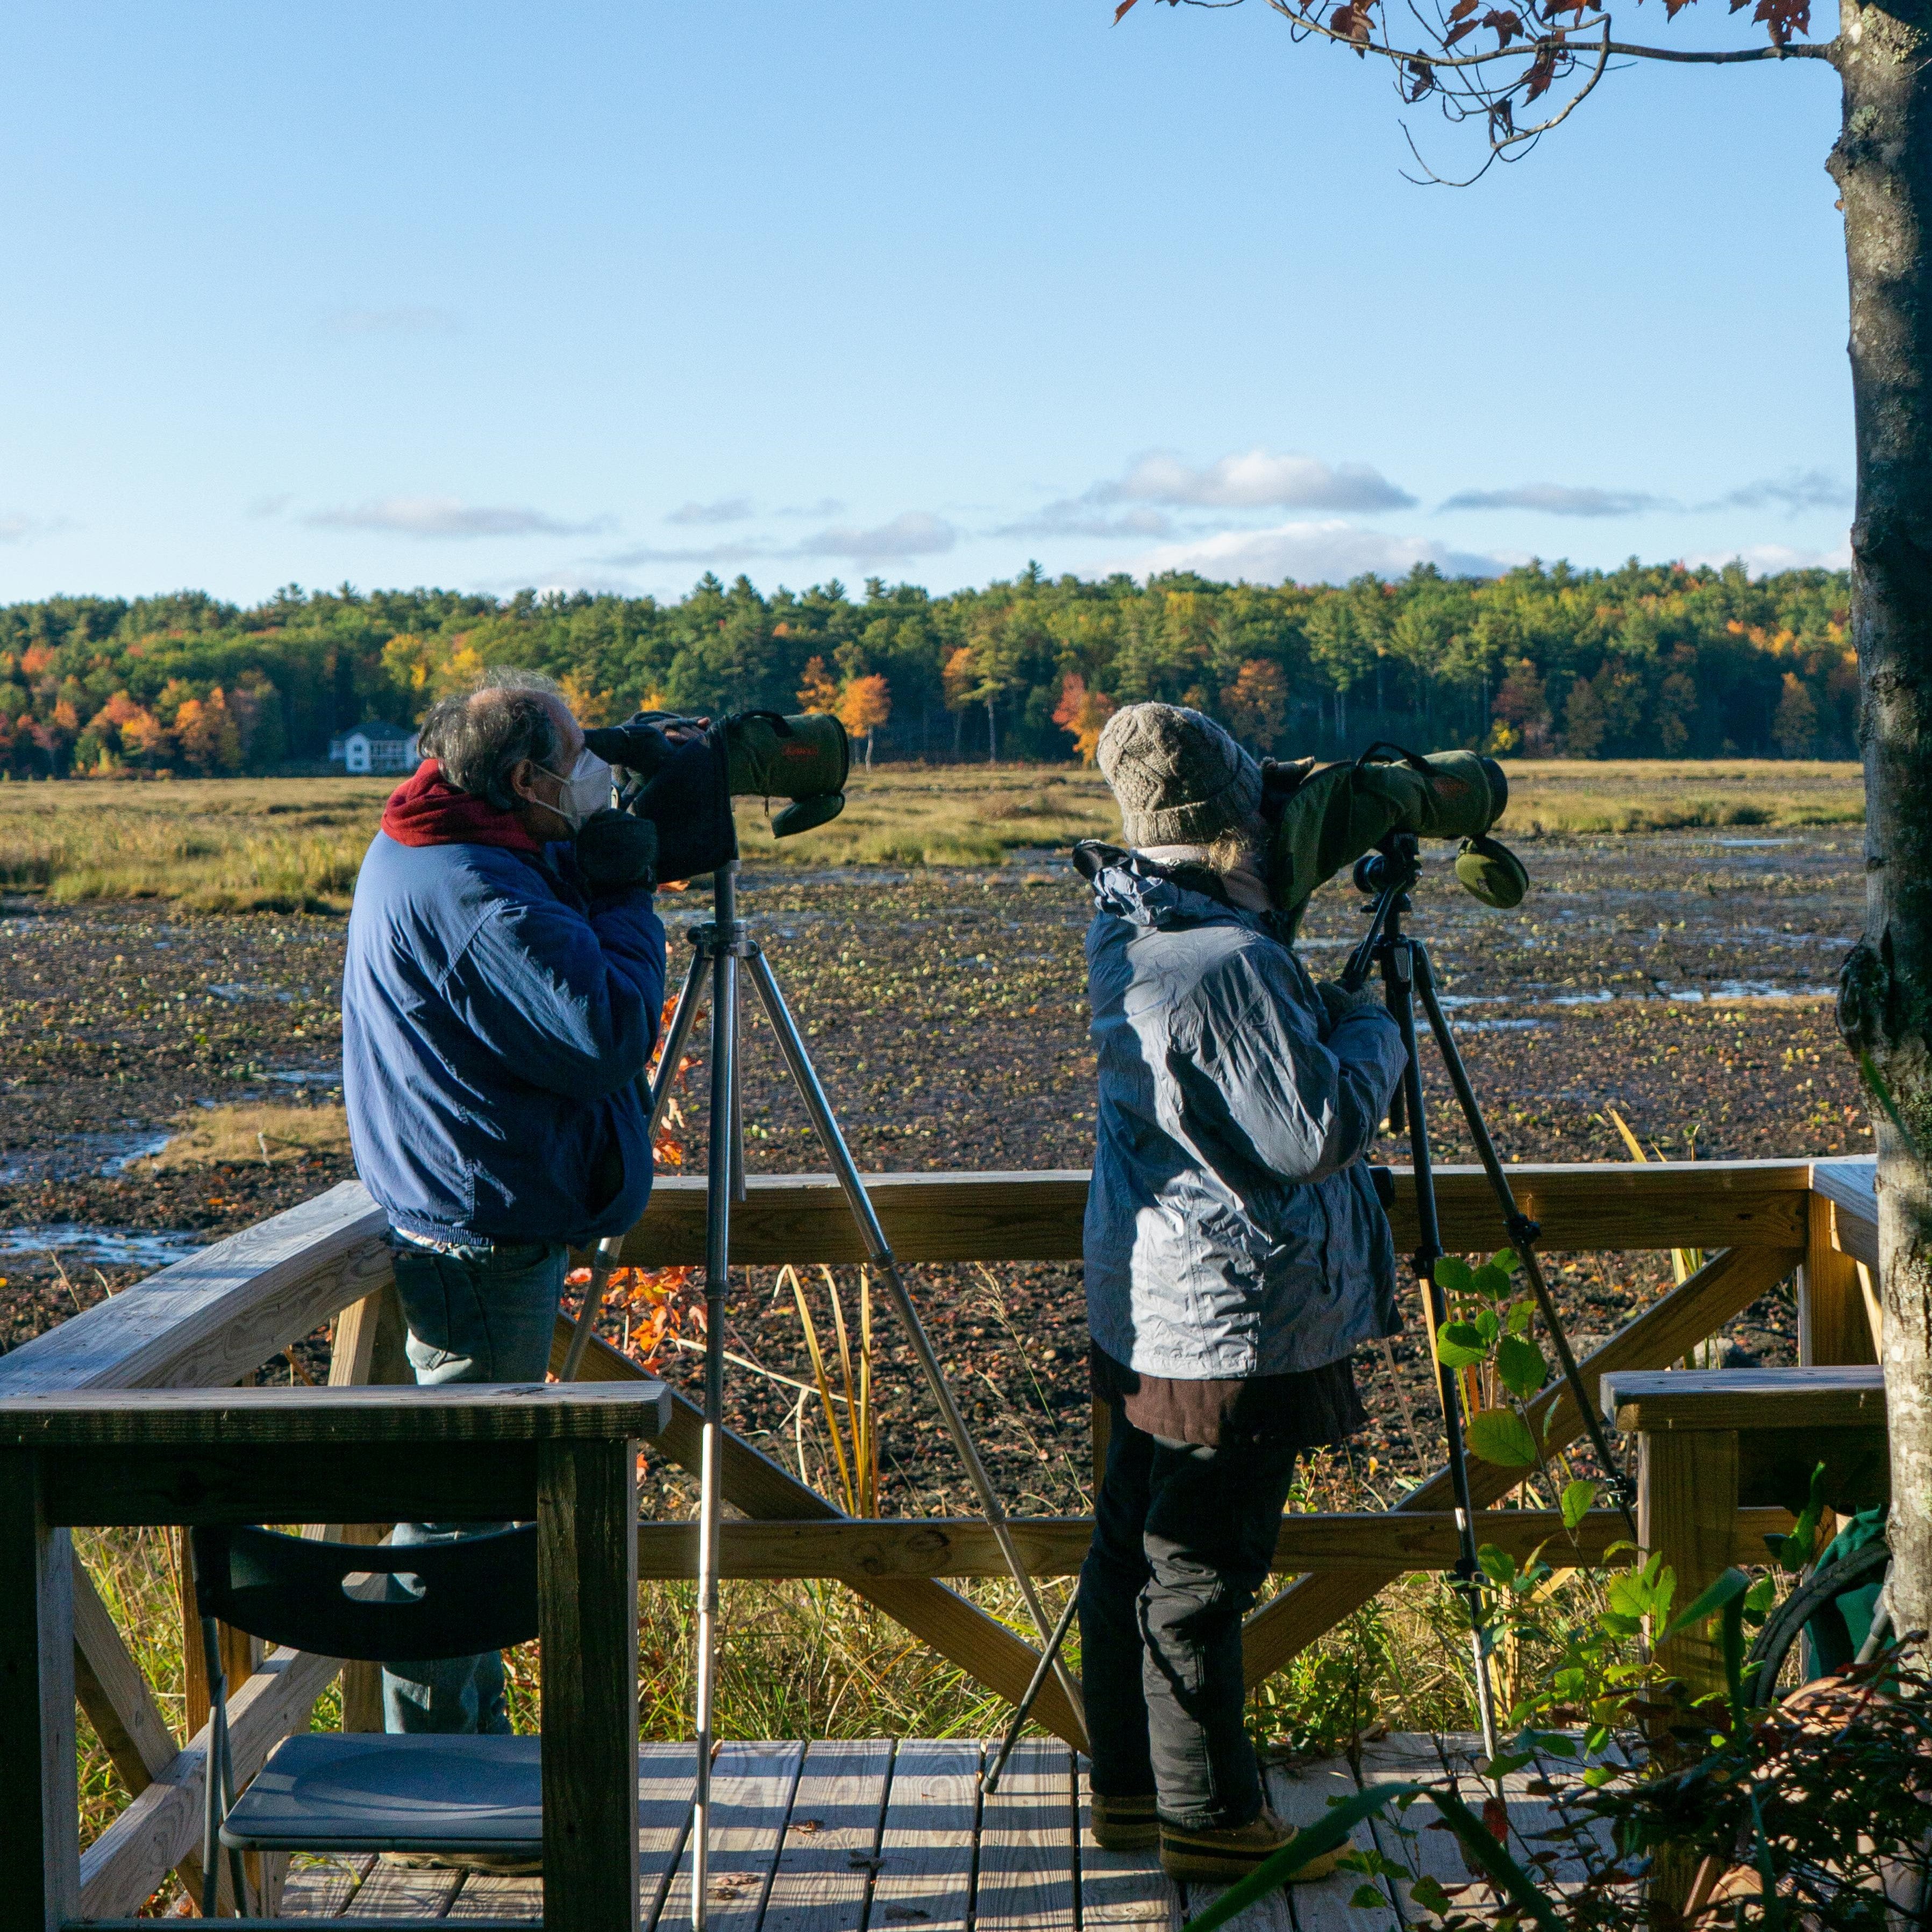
(107, 1247)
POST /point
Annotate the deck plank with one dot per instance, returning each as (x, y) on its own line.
(498, 1895)
(751, 1797)
(319, 1888)
(666, 1777)
(1300, 1796)
(832, 1838)
(1120, 1890)
(404, 1892)
(926, 1852)
(1026, 1843)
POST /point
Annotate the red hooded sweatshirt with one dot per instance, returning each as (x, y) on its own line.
(428, 810)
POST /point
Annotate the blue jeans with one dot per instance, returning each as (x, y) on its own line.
(483, 1313)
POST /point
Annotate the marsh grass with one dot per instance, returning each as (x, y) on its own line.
(294, 844)
(269, 1134)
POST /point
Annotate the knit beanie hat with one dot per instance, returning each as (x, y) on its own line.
(1179, 778)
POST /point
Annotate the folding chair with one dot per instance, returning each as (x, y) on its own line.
(326, 1791)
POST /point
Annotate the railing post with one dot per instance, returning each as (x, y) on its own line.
(40, 1802)
(1833, 1329)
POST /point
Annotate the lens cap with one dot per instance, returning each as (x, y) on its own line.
(1490, 872)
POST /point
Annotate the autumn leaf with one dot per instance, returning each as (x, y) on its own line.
(1542, 72)
(1507, 21)
(1120, 9)
(1351, 22)
(1455, 34)
(1783, 18)
(1423, 78)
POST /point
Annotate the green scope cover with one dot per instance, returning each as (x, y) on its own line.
(1331, 817)
(804, 758)
(1490, 872)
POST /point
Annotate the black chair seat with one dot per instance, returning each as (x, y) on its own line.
(361, 1791)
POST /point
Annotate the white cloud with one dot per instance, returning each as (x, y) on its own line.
(911, 533)
(1797, 489)
(826, 506)
(17, 527)
(1331, 551)
(725, 510)
(420, 319)
(1559, 500)
(1073, 518)
(1762, 559)
(1253, 480)
(709, 556)
(447, 517)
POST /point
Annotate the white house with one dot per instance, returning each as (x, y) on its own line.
(375, 747)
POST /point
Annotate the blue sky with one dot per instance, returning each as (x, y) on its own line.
(487, 295)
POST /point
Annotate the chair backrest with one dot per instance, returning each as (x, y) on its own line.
(475, 1595)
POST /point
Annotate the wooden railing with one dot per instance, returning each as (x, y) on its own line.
(212, 1320)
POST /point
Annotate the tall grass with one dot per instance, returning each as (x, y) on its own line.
(294, 844)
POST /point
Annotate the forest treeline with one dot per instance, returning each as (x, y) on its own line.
(1649, 661)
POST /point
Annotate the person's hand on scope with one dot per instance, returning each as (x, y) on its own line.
(615, 850)
(642, 748)
(1339, 1001)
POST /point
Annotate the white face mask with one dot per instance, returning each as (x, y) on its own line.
(587, 788)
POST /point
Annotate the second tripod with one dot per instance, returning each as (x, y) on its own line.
(1390, 873)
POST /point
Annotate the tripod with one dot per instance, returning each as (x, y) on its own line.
(722, 947)
(1390, 872)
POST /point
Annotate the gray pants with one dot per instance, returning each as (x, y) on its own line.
(483, 1313)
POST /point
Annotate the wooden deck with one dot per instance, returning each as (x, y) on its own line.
(861, 1837)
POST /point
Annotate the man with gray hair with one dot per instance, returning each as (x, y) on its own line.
(500, 999)
(1236, 1255)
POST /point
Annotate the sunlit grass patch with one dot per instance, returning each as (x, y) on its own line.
(266, 1133)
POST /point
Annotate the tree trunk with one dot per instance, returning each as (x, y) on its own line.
(992, 735)
(1882, 164)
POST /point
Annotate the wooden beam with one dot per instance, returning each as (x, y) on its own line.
(216, 1317)
(1038, 1216)
(120, 1869)
(119, 1704)
(1832, 1326)
(1721, 1288)
(1852, 1397)
(275, 1482)
(341, 1420)
(956, 1629)
(859, 1551)
(40, 1801)
(1851, 1186)
(1687, 1510)
(587, 1594)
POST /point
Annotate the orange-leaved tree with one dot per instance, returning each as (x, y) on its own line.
(865, 703)
(1082, 715)
(1256, 703)
(818, 688)
(1513, 69)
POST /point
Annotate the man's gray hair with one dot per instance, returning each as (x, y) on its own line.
(480, 738)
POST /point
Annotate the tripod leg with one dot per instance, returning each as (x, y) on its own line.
(1398, 971)
(717, 1274)
(683, 1015)
(793, 1046)
(1522, 1232)
(602, 1262)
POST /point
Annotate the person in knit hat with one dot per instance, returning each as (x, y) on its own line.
(1236, 1256)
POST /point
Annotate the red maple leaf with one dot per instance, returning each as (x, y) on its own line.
(1542, 72)
(1508, 23)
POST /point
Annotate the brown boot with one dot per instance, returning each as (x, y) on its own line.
(1220, 1858)
(1125, 1824)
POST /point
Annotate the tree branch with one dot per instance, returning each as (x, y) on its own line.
(1823, 50)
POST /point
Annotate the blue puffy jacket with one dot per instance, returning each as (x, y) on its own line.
(1232, 1229)
(494, 1031)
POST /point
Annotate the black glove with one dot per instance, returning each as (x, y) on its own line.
(1339, 1001)
(614, 850)
(639, 747)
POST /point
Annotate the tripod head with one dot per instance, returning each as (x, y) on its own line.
(1388, 874)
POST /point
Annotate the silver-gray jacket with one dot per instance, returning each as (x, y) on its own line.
(1232, 1229)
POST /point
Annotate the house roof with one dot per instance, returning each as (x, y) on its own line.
(376, 731)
